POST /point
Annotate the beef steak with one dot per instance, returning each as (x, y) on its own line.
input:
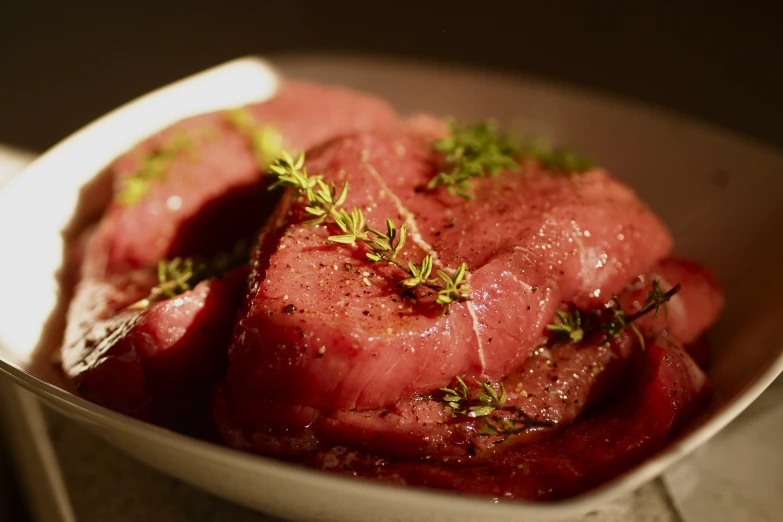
(324, 330)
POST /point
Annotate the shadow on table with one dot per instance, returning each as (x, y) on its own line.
(12, 507)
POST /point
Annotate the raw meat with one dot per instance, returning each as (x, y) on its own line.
(666, 391)
(157, 363)
(312, 354)
(323, 330)
(209, 168)
(554, 385)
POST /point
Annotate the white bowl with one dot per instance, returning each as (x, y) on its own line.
(718, 192)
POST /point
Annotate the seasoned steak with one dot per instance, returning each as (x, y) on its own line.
(555, 385)
(324, 330)
(665, 390)
(569, 362)
(157, 364)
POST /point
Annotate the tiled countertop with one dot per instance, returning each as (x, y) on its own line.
(68, 474)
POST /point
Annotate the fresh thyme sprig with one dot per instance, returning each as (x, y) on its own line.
(265, 140)
(178, 275)
(152, 169)
(569, 327)
(472, 151)
(555, 159)
(481, 149)
(486, 403)
(324, 201)
(573, 327)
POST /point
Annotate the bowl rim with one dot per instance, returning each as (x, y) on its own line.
(632, 479)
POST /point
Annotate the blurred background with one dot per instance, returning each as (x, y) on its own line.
(63, 65)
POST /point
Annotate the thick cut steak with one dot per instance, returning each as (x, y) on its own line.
(325, 330)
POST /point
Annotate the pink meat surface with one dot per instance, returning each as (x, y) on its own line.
(201, 193)
(156, 363)
(554, 385)
(324, 330)
(665, 390)
(693, 310)
(319, 356)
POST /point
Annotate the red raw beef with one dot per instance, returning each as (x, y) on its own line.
(693, 310)
(314, 355)
(157, 363)
(190, 210)
(665, 391)
(554, 385)
(324, 330)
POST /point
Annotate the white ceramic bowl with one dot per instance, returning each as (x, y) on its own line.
(718, 192)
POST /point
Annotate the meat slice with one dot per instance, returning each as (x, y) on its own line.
(324, 330)
(157, 364)
(554, 385)
(693, 310)
(106, 344)
(196, 165)
(200, 192)
(666, 390)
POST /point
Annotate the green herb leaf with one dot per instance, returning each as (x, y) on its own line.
(454, 287)
(178, 275)
(347, 239)
(472, 151)
(481, 411)
(555, 159)
(573, 328)
(491, 407)
(323, 202)
(265, 140)
(152, 170)
(570, 326)
(481, 150)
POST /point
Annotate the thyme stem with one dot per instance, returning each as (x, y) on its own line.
(178, 275)
(485, 404)
(576, 326)
(324, 201)
(472, 151)
(266, 141)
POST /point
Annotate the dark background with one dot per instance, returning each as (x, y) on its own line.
(63, 64)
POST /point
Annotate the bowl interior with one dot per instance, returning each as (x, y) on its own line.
(717, 192)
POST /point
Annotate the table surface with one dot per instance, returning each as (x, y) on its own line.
(69, 474)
